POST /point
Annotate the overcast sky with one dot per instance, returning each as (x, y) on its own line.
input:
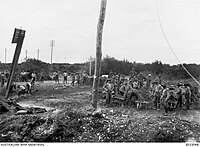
(131, 29)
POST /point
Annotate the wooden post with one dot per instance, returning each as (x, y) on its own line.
(90, 70)
(19, 41)
(52, 45)
(5, 54)
(38, 52)
(26, 55)
(98, 53)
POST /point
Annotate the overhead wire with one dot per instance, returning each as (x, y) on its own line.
(165, 36)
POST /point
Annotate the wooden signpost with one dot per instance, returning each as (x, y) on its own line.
(98, 53)
(18, 38)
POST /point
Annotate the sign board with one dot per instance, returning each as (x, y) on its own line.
(18, 38)
(17, 34)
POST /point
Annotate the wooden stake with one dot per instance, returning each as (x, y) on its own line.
(98, 53)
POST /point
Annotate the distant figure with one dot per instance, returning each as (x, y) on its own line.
(179, 95)
(148, 84)
(158, 79)
(57, 77)
(42, 76)
(110, 74)
(78, 79)
(23, 75)
(187, 95)
(65, 77)
(33, 78)
(84, 79)
(2, 79)
(73, 79)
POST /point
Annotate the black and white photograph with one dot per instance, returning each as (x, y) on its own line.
(99, 71)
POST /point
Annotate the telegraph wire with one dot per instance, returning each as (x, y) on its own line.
(165, 36)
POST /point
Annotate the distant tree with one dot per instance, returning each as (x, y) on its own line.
(34, 65)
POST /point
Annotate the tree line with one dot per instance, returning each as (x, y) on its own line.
(171, 72)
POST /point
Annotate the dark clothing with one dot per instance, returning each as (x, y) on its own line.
(73, 80)
(157, 100)
(78, 80)
(180, 99)
(65, 79)
(108, 97)
(2, 81)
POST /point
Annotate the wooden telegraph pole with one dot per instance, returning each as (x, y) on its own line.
(26, 55)
(98, 52)
(52, 45)
(5, 54)
(18, 38)
(38, 52)
(90, 70)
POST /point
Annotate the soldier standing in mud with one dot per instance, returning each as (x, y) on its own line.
(179, 95)
(78, 79)
(7, 75)
(84, 78)
(2, 79)
(187, 96)
(148, 81)
(42, 76)
(33, 78)
(65, 77)
(164, 98)
(157, 94)
(57, 77)
(73, 79)
(108, 87)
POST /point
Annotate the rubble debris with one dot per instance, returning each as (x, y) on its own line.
(99, 126)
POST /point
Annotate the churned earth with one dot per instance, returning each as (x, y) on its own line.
(71, 118)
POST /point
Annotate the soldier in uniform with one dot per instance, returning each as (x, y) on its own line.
(78, 79)
(187, 95)
(73, 79)
(108, 87)
(179, 95)
(65, 77)
(168, 94)
(33, 78)
(157, 91)
(125, 89)
(2, 79)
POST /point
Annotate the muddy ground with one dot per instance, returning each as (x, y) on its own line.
(70, 118)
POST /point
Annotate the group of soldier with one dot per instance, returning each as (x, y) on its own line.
(20, 88)
(79, 78)
(168, 96)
